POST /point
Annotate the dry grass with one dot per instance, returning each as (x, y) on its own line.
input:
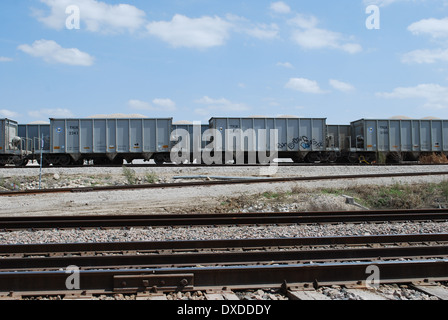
(398, 196)
(433, 158)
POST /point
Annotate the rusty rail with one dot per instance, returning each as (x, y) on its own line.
(58, 248)
(213, 183)
(132, 276)
(240, 252)
(271, 218)
(246, 277)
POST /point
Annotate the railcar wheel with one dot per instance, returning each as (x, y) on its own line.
(353, 158)
(332, 157)
(22, 163)
(45, 162)
(159, 159)
(371, 158)
(65, 160)
(19, 162)
(313, 157)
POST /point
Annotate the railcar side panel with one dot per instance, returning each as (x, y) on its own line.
(110, 136)
(32, 134)
(406, 136)
(2, 136)
(400, 135)
(294, 134)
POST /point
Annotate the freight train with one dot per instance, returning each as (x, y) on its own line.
(65, 142)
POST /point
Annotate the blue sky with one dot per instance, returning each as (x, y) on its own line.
(195, 59)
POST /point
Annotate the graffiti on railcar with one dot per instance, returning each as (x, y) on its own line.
(303, 142)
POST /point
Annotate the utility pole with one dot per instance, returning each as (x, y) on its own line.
(40, 169)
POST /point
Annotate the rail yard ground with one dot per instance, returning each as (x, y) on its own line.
(328, 195)
(375, 193)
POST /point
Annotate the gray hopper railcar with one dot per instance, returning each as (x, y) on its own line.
(12, 147)
(300, 139)
(109, 140)
(393, 140)
(222, 140)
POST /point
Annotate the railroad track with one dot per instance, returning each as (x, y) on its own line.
(220, 252)
(195, 165)
(225, 219)
(226, 182)
(154, 267)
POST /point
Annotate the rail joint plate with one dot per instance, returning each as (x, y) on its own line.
(153, 282)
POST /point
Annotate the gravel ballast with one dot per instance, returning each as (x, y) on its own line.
(205, 200)
(216, 233)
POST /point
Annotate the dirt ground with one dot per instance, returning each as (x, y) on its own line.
(267, 197)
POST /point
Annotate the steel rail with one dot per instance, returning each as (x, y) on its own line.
(213, 183)
(225, 258)
(132, 273)
(165, 220)
(235, 277)
(196, 245)
(195, 165)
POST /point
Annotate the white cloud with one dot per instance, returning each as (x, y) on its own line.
(161, 105)
(256, 30)
(436, 28)
(4, 113)
(219, 105)
(51, 113)
(5, 59)
(139, 105)
(435, 96)
(381, 3)
(385, 3)
(280, 7)
(341, 86)
(426, 56)
(52, 52)
(167, 104)
(285, 65)
(304, 22)
(182, 31)
(207, 32)
(309, 36)
(95, 16)
(304, 85)
(263, 31)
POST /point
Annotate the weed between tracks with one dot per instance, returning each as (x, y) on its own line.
(397, 196)
(59, 180)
